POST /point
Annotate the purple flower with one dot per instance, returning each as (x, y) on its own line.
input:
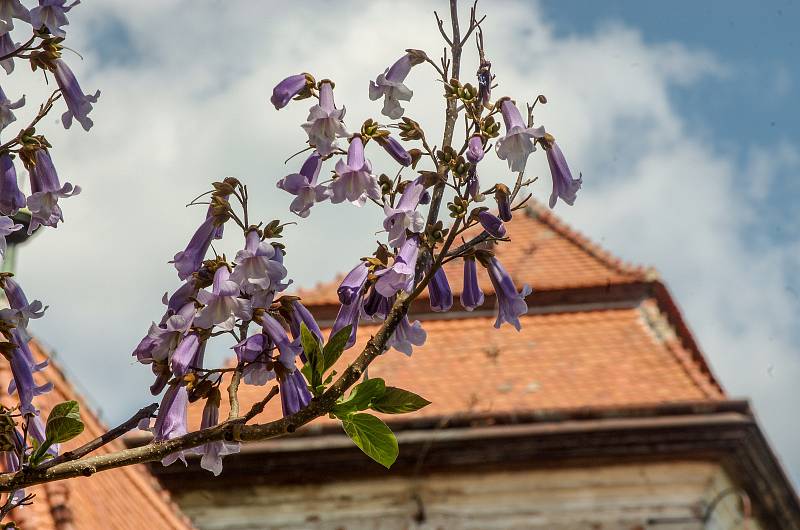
(252, 352)
(503, 197)
(294, 393)
(11, 198)
(353, 283)
(474, 185)
(404, 216)
(277, 335)
(18, 302)
(510, 304)
(9, 10)
(471, 295)
(400, 276)
(182, 296)
(6, 106)
(475, 149)
(516, 145)
(439, 291)
(395, 150)
(171, 421)
(257, 268)
(406, 336)
(7, 47)
(354, 180)
(348, 315)
(50, 14)
(22, 369)
(46, 189)
(184, 355)
(161, 340)
(189, 261)
(213, 451)
(79, 105)
(492, 224)
(287, 89)
(377, 306)
(304, 186)
(564, 186)
(390, 85)
(7, 227)
(222, 305)
(301, 315)
(324, 123)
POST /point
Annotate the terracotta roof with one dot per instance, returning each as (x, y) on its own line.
(125, 498)
(545, 253)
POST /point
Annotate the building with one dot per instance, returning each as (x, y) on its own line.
(601, 414)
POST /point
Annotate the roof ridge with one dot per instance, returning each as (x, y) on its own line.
(537, 211)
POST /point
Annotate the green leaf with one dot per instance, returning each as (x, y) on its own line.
(314, 356)
(64, 422)
(364, 392)
(398, 401)
(333, 350)
(373, 437)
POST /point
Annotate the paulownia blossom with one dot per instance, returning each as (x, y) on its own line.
(22, 369)
(8, 47)
(9, 10)
(6, 106)
(441, 297)
(354, 180)
(301, 315)
(564, 186)
(389, 85)
(7, 227)
(395, 150)
(353, 284)
(258, 271)
(287, 351)
(213, 451)
(290, 87)
(407, 335)
(492, 224)
(294, 392)
(475, 149)
(377, 306)
(161, 340)
(51, 15)
(304, 186)
(254, 352)
(188, 261)
(400, 276)
(510, 303)
(516, 145)
(348, 315)
(471, 294)
(79, 105)
(324, 123)
(222, 305)
(172, 421)
(11, 197)
(18, 302)
(404, 217)
(46, 189)
(184, 355)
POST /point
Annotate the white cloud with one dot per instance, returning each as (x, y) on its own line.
(190, 106)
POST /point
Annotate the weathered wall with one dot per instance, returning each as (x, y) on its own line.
(664, 496)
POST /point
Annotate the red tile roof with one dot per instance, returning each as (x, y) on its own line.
(126, 498)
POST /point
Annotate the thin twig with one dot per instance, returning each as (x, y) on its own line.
(258, 408)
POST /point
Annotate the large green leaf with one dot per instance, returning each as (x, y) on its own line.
(398, 401)
(373, 437)
(64, 422)
(314, 367)
(364, 392)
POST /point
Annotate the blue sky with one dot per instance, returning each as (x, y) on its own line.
(682, 119)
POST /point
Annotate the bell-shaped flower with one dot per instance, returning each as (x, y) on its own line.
(294, 392)
(348, 315)
(377, 306)
(289, 88)
(301, 315)
(564, 186)
(287, 351)
(184, 355)
(405, 216)
(441, 297)
(222, 305)
(213, 451)
(304, 186)
(353, 284)
(6, 106)
(492, 224)
(253, 353)
(257, 266)
(182, 296)
(510, 303)
(189, 261)
(172, 420)
(22, 370)
(389, 85)
(46, 189)
(324, 123)
(7, 227)
(471, 294)
(516, 145)
(18, 302)
(395, 150)
(502, 196)
(11, 197)
(51, 14)
(354, 180)
(7, 48)
(475, 149)
(400, 275)
(9, 10)
(407, 335)
(161, 340)
(79, 105)
(474, 185)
